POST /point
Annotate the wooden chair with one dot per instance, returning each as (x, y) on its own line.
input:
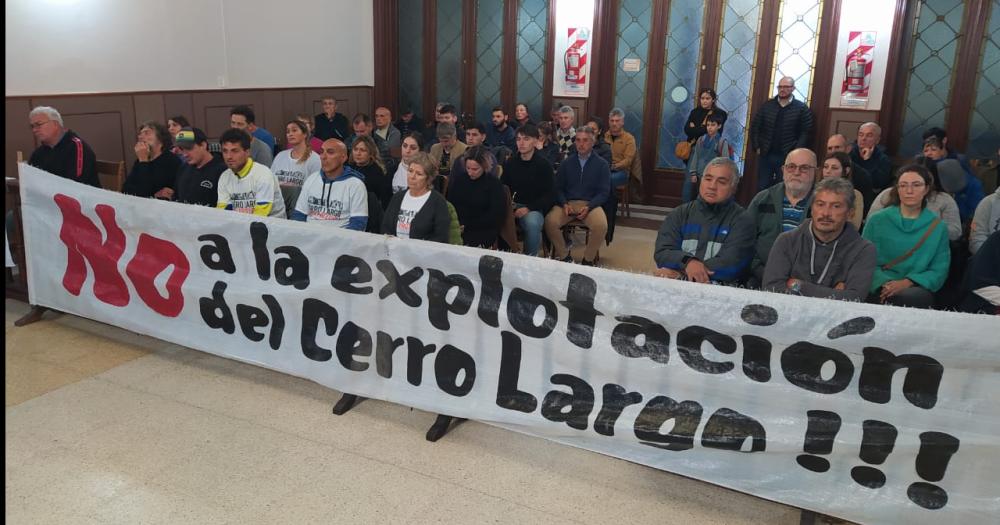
(112, 174)
(574, 226)
(508, 229)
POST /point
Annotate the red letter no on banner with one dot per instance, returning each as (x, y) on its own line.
(84, 245)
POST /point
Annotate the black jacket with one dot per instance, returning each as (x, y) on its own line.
(376, 182)
(530, 182)
(480, 205)
(335, 128)
(147, 178)
(199, 185)
(794, 133)
(695, 127)
(431, 223)
(70, 159)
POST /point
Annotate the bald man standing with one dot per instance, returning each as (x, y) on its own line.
(779, 126)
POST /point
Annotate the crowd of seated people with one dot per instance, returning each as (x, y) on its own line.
(820, 232)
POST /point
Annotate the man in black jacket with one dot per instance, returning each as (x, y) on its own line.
(60, 151)
(529, 177)
(779, 126)
(198, 178)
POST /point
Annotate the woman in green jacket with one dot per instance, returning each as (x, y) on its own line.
(912, 243)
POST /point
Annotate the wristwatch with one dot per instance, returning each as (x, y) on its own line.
(796, 287)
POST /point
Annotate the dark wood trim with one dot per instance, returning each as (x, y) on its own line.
(603, 51)
(468, 101)
(767, 37)
(897, 75)
(963, 90)
(508, 67)
(712, 33)
(825, 65)
(386, 92)
(430, 59)
(550, 46)
(654, 95)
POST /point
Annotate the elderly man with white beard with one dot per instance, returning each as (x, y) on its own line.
(823, 257)
(782, 207)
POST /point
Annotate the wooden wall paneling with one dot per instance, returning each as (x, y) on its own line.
(963, 91)
(270, 116)
(215, 107)
(148, 107)
(468, 102)
(550, 46)
(826, 58)
(293, 102)
(846, 122)
(580, 107)
(17, 133)
(386, 31)
(712, 32)
(767, 38)
(658, 186)
(603, 51)
(896, 74)
(107, 122)
(179, 104)
(430, 59)
(508, 67)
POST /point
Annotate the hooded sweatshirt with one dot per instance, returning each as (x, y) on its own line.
(341, 202)
(894, 235)
(797, 254)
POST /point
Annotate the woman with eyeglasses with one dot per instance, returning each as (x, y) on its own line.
(941, 203)
(911, 241)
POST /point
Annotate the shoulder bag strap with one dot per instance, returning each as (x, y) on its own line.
(905, 256)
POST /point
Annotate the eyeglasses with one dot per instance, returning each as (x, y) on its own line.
(801, 168)
(914, 185)
(36, 125)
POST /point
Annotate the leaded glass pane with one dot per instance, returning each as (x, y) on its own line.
(937, 36)
(795, 53)
(634, 20)
(682, 64)
(984, 128)
(532, 23)
(449, 52)
(740, 24)
(489, 43)
(411, 59)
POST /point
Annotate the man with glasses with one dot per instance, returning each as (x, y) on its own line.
(60, 151)
(779, 126)
(782, 207)
(198, 178)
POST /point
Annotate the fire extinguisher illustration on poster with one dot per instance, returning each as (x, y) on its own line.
(858, 68)
(573, 66)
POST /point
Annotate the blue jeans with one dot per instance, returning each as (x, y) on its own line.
(769, 170)
(618, 178)
(531, 224)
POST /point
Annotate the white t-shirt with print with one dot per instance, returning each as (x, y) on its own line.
(407, 211)
(259, 186)
(291, 172)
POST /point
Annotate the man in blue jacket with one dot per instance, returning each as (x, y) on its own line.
(583, 183)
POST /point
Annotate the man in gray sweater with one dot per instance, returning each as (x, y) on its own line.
(824, 256)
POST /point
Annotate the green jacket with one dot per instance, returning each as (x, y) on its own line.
(893, 236)
(766, 211)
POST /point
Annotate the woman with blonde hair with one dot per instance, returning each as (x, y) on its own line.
(364, 158)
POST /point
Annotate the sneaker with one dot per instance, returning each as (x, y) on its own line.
(568, 259)
(585, 262)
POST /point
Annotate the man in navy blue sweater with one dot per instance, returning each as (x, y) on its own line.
(583, 183)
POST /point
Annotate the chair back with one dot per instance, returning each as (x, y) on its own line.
(508, 229)
(111, 174)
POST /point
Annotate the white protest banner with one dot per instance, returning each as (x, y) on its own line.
(871, 413)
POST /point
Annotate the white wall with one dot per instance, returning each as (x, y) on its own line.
(864, 15)
(101, 46)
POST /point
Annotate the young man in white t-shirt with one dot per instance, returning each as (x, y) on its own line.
(247, 186)
(335, 195)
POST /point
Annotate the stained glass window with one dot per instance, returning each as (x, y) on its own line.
(532, 24)
(634, 20)
(795, 51)
(449, 52)
(489, 43)
(984, 126)
(937, 36)
(680, 78)
(411, 60)
(737, 63)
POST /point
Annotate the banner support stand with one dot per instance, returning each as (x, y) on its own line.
(346, 402)
(442, 425)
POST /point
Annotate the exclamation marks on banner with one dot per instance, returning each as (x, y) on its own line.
(822, 429)
(936, 450)
(877, 443)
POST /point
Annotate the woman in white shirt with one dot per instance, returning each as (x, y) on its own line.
(419, 212)
(293, 165)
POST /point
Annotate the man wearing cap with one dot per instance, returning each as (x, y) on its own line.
(198, 177)
(247, 186)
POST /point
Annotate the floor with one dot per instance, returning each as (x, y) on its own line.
(107, 426)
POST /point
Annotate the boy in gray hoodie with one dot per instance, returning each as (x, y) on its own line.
(825, 256)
